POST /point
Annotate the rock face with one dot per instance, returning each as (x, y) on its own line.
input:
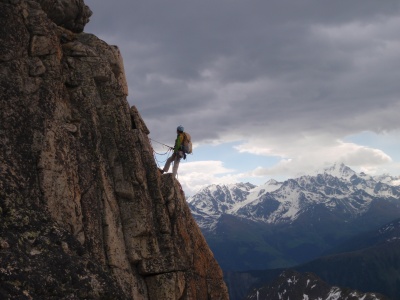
(84, 213)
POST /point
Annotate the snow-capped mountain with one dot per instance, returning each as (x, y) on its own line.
(215, 200)
(338, 190)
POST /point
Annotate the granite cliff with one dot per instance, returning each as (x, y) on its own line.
(84, 213)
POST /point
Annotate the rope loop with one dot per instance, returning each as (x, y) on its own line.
(161, 154)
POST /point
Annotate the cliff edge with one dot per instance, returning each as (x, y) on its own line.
(84, 213)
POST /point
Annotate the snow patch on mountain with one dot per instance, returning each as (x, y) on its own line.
(293, 285)
(256, 194)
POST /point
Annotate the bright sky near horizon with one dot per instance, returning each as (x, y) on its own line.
(267, 89)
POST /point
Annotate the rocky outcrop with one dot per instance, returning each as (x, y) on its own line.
(84, 213)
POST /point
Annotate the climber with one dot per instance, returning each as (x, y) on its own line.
(178, 152)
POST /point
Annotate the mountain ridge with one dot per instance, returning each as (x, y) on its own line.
(335, 187)
(368, 262)
(294, 285)
(283, 224)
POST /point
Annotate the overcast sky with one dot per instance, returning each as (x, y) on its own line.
(267, 88)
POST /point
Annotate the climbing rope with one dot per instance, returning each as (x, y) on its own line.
(162, 144)
(160, 154)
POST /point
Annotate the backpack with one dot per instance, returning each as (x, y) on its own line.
(187, 143)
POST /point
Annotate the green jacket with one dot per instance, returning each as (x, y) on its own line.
(178, 142)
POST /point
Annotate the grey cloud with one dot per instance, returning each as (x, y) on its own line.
(272, 64)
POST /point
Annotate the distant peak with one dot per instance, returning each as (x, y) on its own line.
(339, 170)
(230, 186)
(272, 182)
